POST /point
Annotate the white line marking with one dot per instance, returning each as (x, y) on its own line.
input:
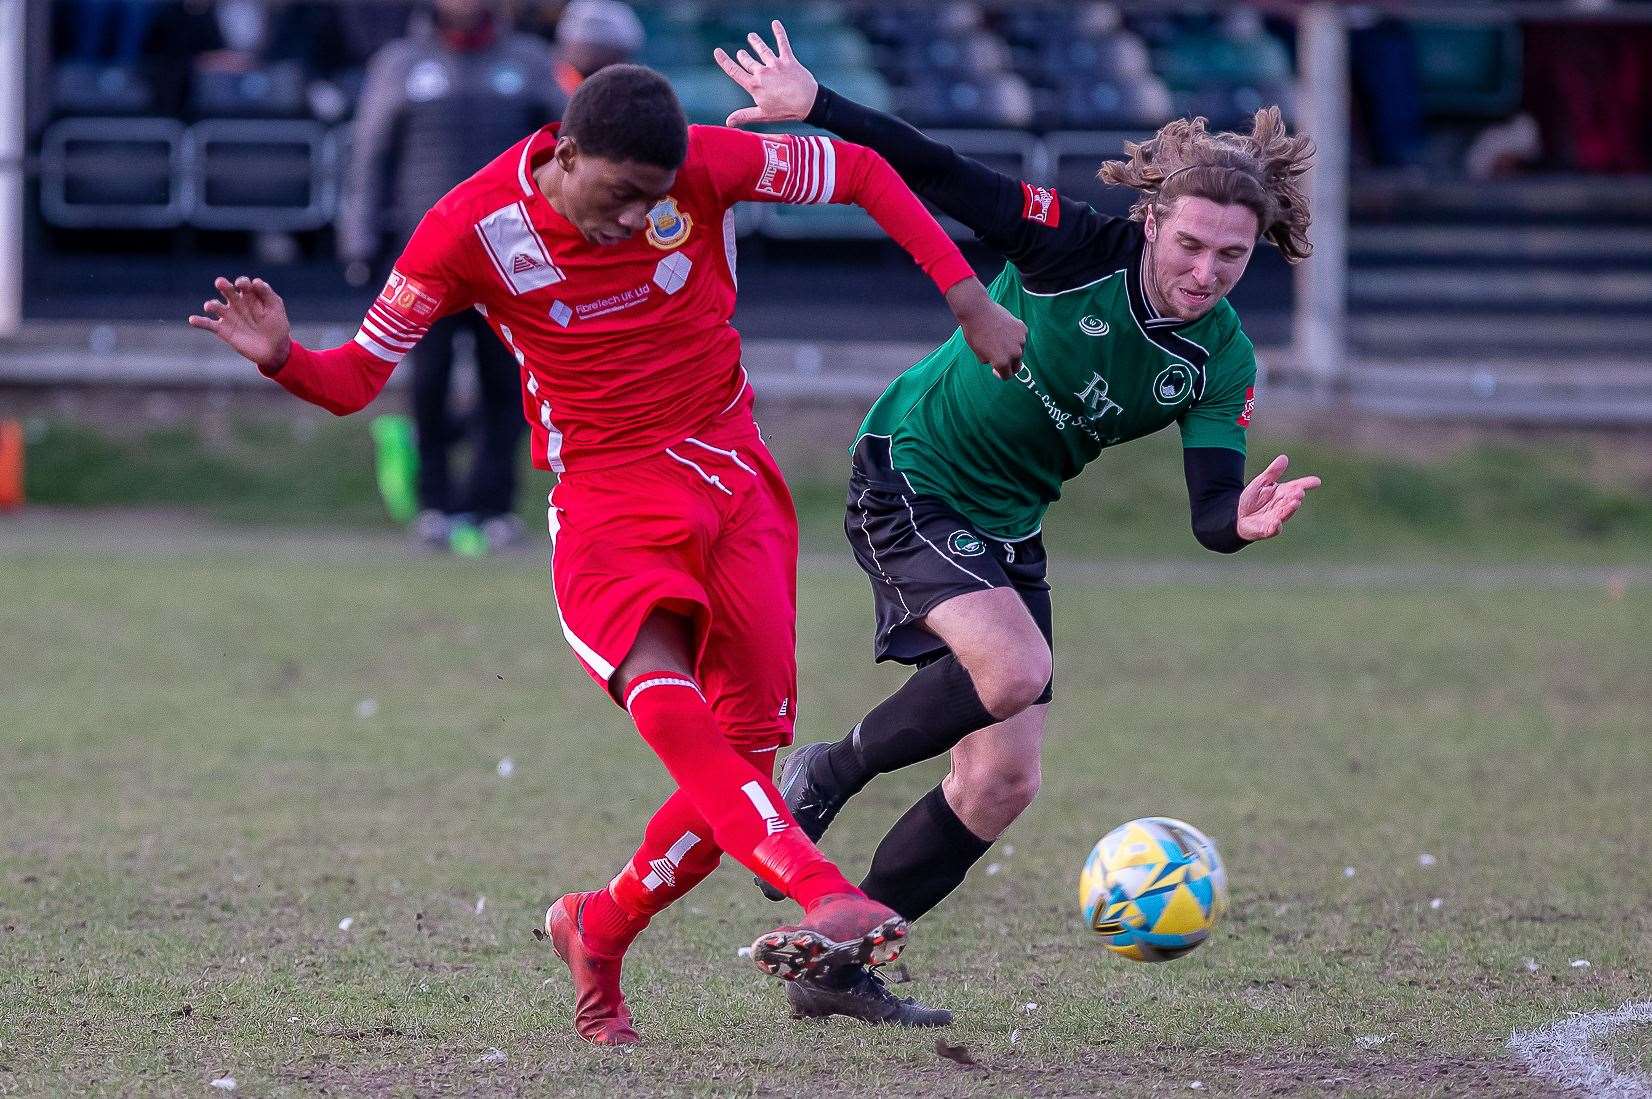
(1564, 1053)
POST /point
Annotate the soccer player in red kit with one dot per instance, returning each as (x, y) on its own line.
(602, 253)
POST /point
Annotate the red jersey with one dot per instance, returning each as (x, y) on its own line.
(623, 348)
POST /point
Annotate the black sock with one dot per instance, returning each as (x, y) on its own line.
(932, 711)
(923, 858)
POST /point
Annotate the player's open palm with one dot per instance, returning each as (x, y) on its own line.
(250, 317)
(1268, 502)
(776, 80)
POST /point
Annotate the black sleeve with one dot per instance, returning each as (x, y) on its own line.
(1215, 478)
(1056, 243)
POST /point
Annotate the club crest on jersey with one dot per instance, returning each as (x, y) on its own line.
(964, 544)
(1092, 325)
(668, 226)
(408, 297)
(1173, 384)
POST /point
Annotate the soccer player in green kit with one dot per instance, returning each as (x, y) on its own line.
(1128, 331)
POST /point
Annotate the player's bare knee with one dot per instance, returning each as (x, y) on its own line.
(1014, 682)
(1013, 790)
(990, 799)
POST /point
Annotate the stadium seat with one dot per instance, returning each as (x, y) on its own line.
(862, 85)
(1469, 71)
(897, 25)
(123, 173)
(1091, 104)
(1000, 100)
(270, 91)
(962, 56)
(1120, 58)
(708, 96)
(1194, 60)
(262, 175)
(1075, 158)
(91, 89)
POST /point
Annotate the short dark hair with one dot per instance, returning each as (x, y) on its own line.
(628, 112)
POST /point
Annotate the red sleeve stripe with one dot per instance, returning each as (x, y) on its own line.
(395, 323)
(377, 350)
(385, 339)
(814, 178)
(394, 333)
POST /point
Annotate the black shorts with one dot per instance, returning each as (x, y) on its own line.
(918, 553)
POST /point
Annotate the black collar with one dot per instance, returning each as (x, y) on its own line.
(1164, 332)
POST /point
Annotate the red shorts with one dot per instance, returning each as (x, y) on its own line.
(705, 528)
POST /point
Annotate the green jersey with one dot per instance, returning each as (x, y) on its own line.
(1100, 369)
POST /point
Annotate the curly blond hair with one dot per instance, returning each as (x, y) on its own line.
(1259, 170)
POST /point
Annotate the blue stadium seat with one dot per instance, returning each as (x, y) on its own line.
(1092, 104)
(959, 56)
(1075, 159)
(996, 100)
(1469, 71)
(1206, 59)
(1120, 57)
(862, 85)
(84, 88)
(708, 96)
(269, 91)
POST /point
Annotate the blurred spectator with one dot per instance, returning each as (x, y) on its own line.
(1589, 87)
(111, 31)
(1387, 90)
(593, 34)
(438, 105)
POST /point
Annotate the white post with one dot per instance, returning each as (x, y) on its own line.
(1322, 281)
(13, 142)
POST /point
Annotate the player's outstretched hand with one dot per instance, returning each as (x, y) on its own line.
(996, 335)
(777, 82)
(250, 317)
(1267, 502)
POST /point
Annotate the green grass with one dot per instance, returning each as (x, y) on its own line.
(194, 799)
(1491, 502)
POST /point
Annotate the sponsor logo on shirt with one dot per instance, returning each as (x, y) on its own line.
(1039, 204)
(1095, 399)
(672, 272)
(964, 544)
(516, 250)
(613, 303)
(1173, 384)
(1250, 407)
(668, 226)
(1092, 325)
(777, 165)
(561, 313)
(409, 298)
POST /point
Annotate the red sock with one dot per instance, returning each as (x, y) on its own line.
(606, 927)
(747, 816)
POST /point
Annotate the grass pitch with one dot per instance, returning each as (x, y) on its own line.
(211, 763)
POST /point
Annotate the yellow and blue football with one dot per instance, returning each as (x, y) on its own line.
(1153, 889)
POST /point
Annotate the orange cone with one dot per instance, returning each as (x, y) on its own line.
(11, 465)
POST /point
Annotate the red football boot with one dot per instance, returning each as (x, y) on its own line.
(600, 1014)
(841, 929)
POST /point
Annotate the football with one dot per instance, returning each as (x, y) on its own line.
(1153, 888)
